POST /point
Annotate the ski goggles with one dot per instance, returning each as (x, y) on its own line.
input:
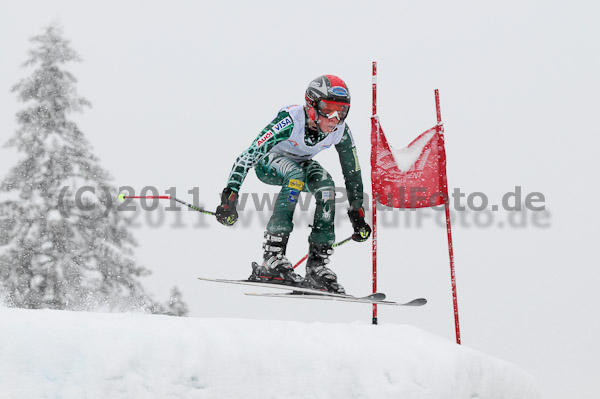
(333, 109)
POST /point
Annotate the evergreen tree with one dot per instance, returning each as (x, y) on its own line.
(57, 251)
(175, 306)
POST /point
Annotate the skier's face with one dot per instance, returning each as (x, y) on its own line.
(331, 113)
(327, 124)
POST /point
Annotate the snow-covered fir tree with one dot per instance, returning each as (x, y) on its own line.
(175, 306)
(58, 251)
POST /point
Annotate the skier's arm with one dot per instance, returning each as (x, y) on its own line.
(351, 169)
(277, 131)
(354, 187)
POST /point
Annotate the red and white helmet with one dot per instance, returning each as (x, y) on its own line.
(329, 96)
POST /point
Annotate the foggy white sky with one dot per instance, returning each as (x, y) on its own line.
(179, 89)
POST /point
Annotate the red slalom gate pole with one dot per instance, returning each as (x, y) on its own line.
(448, 224)
(374, 139)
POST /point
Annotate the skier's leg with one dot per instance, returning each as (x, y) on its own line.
(321, 185)
(277, 170)
(318, 275)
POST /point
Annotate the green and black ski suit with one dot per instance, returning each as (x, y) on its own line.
(282, 155)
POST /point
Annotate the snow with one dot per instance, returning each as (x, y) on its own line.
(406, 157)
(62, 354)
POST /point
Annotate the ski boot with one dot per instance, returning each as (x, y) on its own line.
(276, 268)
(319, 276)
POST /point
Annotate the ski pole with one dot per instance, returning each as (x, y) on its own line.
(337, 244)
(195, 208)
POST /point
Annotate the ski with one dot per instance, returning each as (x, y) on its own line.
(305, 290)
(311, 293)
(371, 299)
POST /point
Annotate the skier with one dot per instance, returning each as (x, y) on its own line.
(282, 155)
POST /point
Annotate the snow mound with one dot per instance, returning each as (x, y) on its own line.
(60, 354)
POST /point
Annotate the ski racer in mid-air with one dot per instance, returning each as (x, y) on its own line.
(282, 154)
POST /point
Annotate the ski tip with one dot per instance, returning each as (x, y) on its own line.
(417, 302)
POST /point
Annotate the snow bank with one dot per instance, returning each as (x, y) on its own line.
(59, 354)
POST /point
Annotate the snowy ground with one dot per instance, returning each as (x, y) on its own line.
(60, 354)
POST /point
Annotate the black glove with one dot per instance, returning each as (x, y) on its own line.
(226, 213)
(362, 230)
